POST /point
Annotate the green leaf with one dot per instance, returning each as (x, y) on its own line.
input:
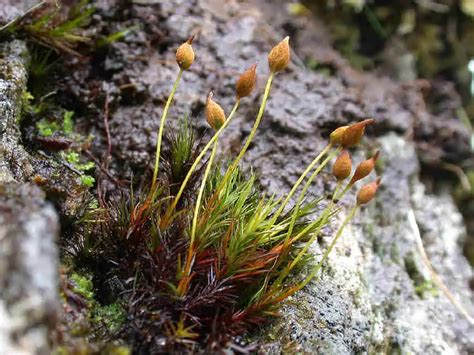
(68, 124)
(72, 157)
(86, 166)
(46, 128)
(116, 36)
(87, 180)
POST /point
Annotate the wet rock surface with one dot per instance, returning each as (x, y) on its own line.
(375, 293)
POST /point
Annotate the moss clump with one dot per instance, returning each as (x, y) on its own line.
(45, 25)
(87, 180)
(73, 158)
(111, 315)
(68, 124)
(83, 286)
(426, 288)
(47, 128)
(200, 254)
(63, 130)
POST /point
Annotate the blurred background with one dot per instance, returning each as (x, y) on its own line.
(409, 40)
(425, 41)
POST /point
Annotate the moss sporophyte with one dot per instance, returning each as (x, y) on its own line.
(202, 253)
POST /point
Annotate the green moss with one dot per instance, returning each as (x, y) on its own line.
(426, 288)
(26, 100)
(111, 315)
(73, 158)
(115, 37)
(83, 286)
(87, 180)
(423, 287)
(50, 28)
(47, 128)
(119, 350)
(68, 125)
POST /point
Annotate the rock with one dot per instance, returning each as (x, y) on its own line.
(375, 293)
(61, 183)
(11, 9)
(14, 161)
(29, 300)
(29, 227)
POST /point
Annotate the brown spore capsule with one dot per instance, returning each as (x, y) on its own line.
(367, 192)
(354, 133)
(335, 138)
(214, 113)
(185, 54)
(246, 82)
(279, 56)
(342, 167)
(365, 168)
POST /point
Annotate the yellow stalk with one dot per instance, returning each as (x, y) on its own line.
(328, 250)
(322, 221)
(201, 192)
(305, 190)
(198, 159)
(299, 181)
(162, 126)
(235, 163)
(183, 284)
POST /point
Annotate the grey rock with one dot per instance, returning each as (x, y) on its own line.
(29, 226)
(11, 9)
(375, 293)
(29, 277)
(369, 296)
(14, 161)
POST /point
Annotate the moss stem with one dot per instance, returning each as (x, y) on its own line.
(329, 249)
(322, 220)
(299, 181)
(334, 195)
(162, 126)
(343, 192)
(305, 190)
(201, 192)
(199, 158)
(235, 163)
(183, 284)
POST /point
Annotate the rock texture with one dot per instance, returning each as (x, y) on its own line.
(375, 293)
(28, 227)
(29, 270)
(14, 161)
